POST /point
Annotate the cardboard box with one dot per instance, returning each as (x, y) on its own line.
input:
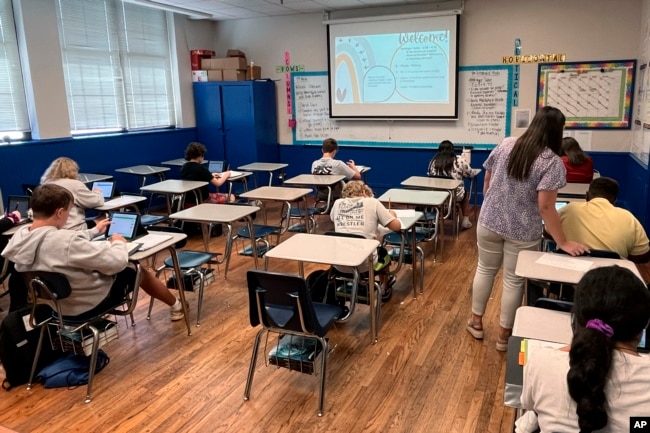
(197, 55)
(234, 74)
(234, 63)
(254, 73)
(215, 75)
(235, 53)
(200, 75)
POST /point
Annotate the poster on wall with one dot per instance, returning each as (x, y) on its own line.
(592, 95)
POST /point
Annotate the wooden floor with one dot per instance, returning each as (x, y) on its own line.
(426, 373)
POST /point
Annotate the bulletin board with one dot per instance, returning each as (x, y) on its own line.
(484, 113)
(591, 95)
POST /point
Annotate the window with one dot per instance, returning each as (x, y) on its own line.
(116, 65)
(14, 122)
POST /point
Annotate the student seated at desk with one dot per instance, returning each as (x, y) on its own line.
(579, 166)
(97, 272)
(65, 172)
(358, 212)
(17, 287)
(328, 165)
(446, 163)
(194, 169)
(601, 380)
(599, 224)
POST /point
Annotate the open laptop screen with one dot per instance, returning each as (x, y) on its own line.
(215, 166)
(560, 204)
(125, 224)
(19, 203)
(106, 187)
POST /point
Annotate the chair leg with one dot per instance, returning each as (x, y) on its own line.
(93, 363)
(251, 369)
(200, 301)
(150, 308)
(39, 345)
(323, 372)
(421, 253)
(377, 306)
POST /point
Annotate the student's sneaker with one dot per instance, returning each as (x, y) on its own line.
(382, 263)
(466, 224)
(176, 311)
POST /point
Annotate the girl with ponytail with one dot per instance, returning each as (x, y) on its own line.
(601, 380)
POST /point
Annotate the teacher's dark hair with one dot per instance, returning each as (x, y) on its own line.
(617, 297)
(572, 150)
(545, 131)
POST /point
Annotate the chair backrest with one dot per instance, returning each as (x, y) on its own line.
(46, 288)
(281, 301)
(554, 304)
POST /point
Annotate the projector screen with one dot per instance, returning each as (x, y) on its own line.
(398, 68)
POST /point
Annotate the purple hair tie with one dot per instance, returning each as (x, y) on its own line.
(600, 326)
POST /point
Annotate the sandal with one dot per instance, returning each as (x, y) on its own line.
(475, 328)
(502, 343)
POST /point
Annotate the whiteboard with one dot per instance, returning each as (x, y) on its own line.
(484, 95)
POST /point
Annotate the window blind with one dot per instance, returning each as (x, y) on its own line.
(14, 121)
(116, 64)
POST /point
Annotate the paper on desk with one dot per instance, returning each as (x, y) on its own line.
(234, 173)
(404, 213)
(565, 262)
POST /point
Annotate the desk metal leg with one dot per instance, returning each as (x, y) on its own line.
(454, 213)
(413, 262)
(372, 300)
(180, 286)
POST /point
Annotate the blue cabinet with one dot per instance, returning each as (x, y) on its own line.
(237, 120)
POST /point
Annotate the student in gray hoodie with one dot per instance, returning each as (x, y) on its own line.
(97, 271)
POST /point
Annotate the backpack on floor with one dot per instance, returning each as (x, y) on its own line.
(71, 370)
(18, 346)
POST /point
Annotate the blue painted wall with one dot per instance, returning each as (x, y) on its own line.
(26, 162)
(390, 166)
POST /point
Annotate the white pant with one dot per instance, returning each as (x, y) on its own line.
(493, 251)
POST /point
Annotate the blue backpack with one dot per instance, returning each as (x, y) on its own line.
(71, 370)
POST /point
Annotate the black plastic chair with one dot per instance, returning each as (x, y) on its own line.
(603, 254)
(281, 303)
(554, 304)
(191, 264)
(50, 288)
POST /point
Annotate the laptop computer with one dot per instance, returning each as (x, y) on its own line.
(217, 166)
(128, 225)
(107, 187)
(21, 203)
(644, 344)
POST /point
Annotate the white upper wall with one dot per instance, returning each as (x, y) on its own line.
(586, 30)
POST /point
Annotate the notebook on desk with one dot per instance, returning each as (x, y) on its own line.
(106, 187)
(21, 204)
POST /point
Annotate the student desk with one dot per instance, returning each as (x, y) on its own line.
(268, 167)
(145, 170)
(169, 246)
(317, 180)
(280, 193)
(178, 162)
(174, 187)
(91, 177)
(576, 190)
(10, 231)
(413, 197)
(533, 323)
(435, 183)
(206, 213)
(122, 202)
(238, 176)
(333, 250)
(363, 169)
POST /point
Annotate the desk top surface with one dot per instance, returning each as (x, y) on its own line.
(238, 175)
(141, 255)
(543, 324)
(210, 212)
(276, 193)
(574, 189)
(332, 250)
(92, 177)
(263, 166)
(143, 170)
(122, 201)
(432, 182)
(178, 162)
(315, 179)
(174, 186)
(363, 168)
(559, 268)
(10, 231)
(414, 197)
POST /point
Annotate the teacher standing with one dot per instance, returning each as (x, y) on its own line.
(521, 181)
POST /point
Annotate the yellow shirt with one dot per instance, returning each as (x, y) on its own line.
(603, 226)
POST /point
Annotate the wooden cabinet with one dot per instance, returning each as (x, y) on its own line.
(237, 120)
